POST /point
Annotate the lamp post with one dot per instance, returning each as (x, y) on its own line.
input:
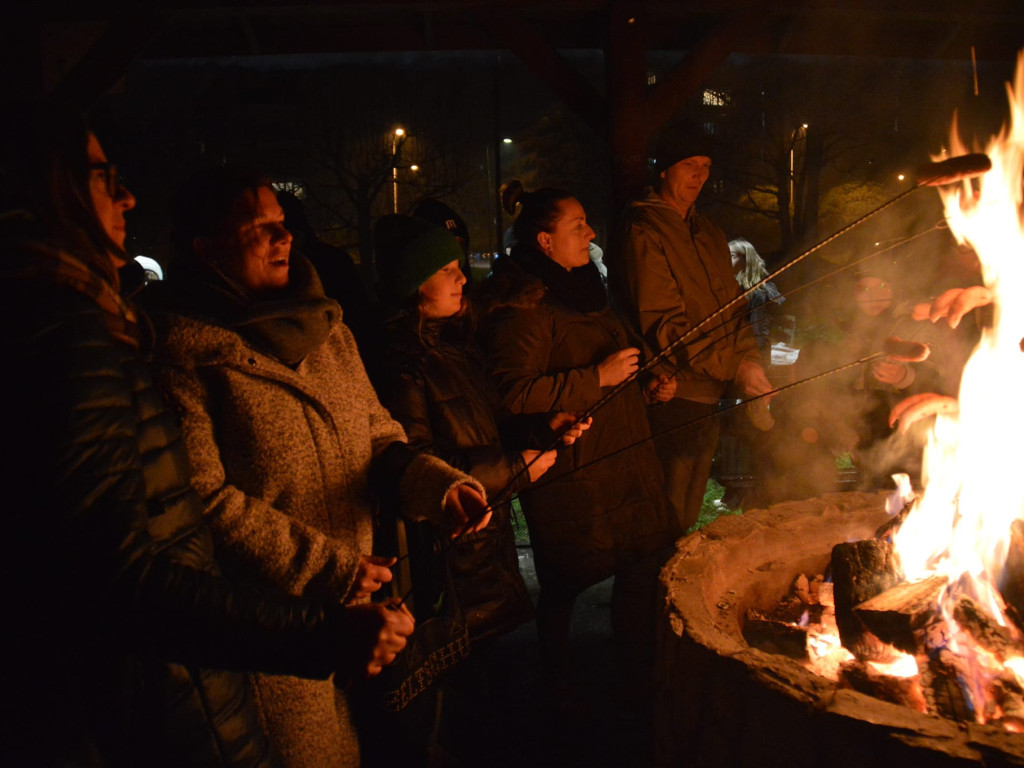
(792, 151)
(396, 138)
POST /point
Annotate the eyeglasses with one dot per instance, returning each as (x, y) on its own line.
(109, 175)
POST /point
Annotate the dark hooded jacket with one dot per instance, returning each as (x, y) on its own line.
(114, 567)
(602, 504)
(670, 274)
(435, 384)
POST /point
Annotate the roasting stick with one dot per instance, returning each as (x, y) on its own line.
(929, 175)
(895, 348)
(867, 359)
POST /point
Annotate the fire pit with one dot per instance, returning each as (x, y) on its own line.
(721, 702)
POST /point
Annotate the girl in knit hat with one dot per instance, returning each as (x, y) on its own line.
(435, 384)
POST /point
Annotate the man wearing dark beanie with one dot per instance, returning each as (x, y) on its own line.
(673, 271)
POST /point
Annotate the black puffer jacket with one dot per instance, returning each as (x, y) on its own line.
(602, 505)
(434, 383)
(108, 566)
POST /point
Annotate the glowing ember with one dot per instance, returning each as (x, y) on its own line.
(904, 665)
(960, 527)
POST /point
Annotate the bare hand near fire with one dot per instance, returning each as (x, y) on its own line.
(660, 389)
(913, 409)
(377, 633)
(954, 304)
(538, 463)
(568, 426)
(751, 380)
(372, 573)
(467, 510)
(618, 366)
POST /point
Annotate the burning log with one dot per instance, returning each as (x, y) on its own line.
(940, 679)
(1009, 696)
(775, 636)
(861, 570)
(900, 612)
(886, 530)
(786, 629)
(985, 631)
(864, 677)
(1012, 588)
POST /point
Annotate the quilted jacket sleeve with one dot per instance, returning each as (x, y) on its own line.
(520, 347)
(108, 550)
(408, 400)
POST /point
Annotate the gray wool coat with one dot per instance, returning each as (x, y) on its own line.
(281, 458)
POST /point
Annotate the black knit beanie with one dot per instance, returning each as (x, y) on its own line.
(679, 141)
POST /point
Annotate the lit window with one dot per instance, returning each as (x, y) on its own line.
(295, 187)
(714, 98)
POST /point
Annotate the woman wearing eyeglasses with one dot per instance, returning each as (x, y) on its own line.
(113, 603)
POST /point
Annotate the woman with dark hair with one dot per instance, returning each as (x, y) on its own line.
(113, 567)
(289, 446)
(556, 345)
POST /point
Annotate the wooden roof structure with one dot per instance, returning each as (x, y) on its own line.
(79, 51)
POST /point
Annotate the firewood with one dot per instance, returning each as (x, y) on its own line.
(863, 677)
(890, 526)
(985, 631)
(774, 636)
(1012, 588)
(940, 679)
(1007, 693)
(823, 593)
(802, 588)
(898, 613)
(861, 570)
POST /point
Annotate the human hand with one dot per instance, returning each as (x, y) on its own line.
(751, 380)
(376, 633)
(954, 304)
(660, 390)
(372, 573)
(889, 372)
(538, 462)
(467, 509)
(759, 414)
(618, 366)
(571, 424)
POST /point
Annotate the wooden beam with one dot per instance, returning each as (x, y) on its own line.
(628, 121)
(125, 38)
(523, 40)
(735, 32)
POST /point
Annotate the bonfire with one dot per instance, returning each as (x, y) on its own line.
(930, 611)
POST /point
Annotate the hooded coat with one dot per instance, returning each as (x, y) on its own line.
(597, 509)
(106, 543)
(435, 383)
(671, 273)
(283, 456)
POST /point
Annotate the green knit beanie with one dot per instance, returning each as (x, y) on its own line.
(409, 251)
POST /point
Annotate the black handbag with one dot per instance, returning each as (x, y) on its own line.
(441, 637)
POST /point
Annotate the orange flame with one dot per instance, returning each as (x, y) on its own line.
(960, 527)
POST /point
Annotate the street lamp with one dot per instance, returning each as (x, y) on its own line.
(792, 152)
(396, 139)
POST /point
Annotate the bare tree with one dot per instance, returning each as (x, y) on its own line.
(357, 168)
